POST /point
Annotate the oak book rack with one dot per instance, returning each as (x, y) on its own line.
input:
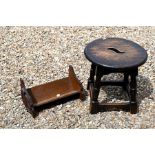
(50, 92)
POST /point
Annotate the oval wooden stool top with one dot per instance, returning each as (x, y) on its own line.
(115, 53)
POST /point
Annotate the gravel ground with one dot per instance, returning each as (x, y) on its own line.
(42, 54)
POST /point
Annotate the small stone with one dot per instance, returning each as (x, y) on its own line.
(1, 108)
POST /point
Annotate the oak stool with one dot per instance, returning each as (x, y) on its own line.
(114, 55)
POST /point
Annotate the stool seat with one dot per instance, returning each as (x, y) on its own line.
(115, 53)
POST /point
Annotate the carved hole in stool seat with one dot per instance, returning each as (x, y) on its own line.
(115, 50)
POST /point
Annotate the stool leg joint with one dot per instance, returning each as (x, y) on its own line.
(133, 93)
(92, 74)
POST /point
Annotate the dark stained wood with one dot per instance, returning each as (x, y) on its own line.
(114, 55)
(50, 92)
(92, 74)
(133, 93)
(27, 99)
(96, 90)
(114, 107)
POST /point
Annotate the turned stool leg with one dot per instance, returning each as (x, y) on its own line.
(94, 103)
(133, 92)
(126, 80)
(92, 74)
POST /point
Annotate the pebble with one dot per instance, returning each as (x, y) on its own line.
(43, 54)
(1, 108)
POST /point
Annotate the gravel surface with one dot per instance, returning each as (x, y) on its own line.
(42, 54)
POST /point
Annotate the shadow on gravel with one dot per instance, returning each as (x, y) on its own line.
(115, 93)
(144, 88)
